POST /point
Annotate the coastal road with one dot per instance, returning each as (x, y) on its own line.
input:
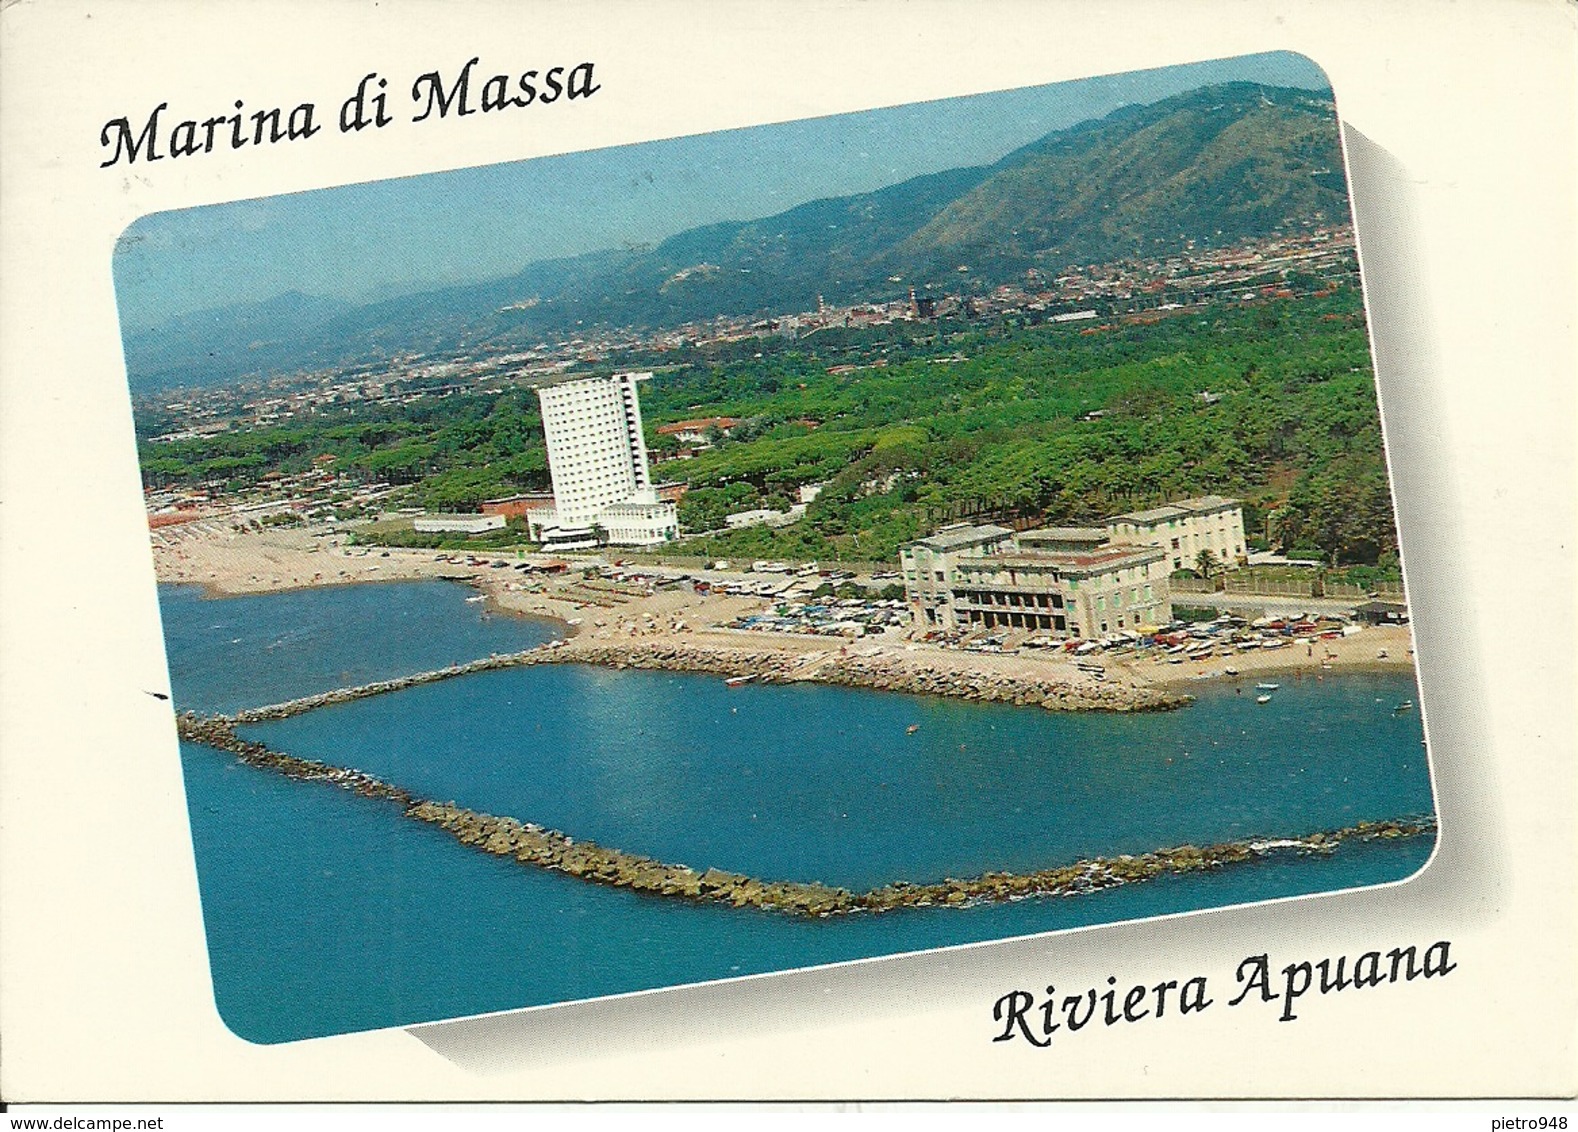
(1263, 605)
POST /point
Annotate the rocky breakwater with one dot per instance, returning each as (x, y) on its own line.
(547, 848)
(539, 847)
(379, 687)
(1100, 873)
(880, 671)
(220, 733)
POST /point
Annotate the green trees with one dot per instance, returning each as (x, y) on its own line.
(1344, 509)
(1052, 424)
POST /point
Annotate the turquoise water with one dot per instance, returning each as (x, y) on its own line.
(267, 648)
(328, 913)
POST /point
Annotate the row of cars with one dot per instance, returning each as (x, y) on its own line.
(850, 617)
(808, 570)
(1229, 634)
(1175, 643)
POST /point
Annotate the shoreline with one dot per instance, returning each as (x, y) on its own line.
(559, 624)
(1355, 655)
(682, 631)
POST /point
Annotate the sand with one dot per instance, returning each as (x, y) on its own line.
(227, 562)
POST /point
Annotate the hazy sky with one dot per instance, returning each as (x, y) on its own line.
(368, 241)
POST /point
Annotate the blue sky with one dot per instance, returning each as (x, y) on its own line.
(368, 241)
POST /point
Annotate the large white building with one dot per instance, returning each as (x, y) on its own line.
(602, 483)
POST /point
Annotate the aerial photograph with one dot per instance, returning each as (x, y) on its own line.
(805, 543)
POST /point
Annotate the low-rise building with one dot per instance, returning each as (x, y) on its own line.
(1066, 581)
(696, 431)
(516, 506)
(1184, 529)
(1382, 613)
(457, 524)
(1087, 593)
(739, 520)
(760, 516)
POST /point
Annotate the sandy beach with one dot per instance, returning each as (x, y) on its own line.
(614, 624)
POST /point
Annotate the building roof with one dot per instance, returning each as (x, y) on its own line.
(1065, 534)
(454, 519)
(546, 380)
(954, 538)
(1177, 509)
(522, 497)
(697, 425)
(1166, 511)
(1098, 561)
(1207, 503)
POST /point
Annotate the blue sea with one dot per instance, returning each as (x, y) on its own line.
(328, 913)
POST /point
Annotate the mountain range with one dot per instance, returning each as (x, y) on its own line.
(1214, 166)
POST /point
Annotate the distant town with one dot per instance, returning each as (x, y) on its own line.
(1314, 260)
(1281, 266)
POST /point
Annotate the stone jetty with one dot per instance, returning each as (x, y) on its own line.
(534, 845)
(885, 672)
(399, 683)
(220, 733)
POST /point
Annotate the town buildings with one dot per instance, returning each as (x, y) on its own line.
(597, 458)
(1086, 582)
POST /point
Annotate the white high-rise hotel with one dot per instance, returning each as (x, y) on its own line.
(598, 460)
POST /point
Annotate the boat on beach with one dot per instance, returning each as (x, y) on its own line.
(737, 681)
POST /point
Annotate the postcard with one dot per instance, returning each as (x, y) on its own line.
(958, 576)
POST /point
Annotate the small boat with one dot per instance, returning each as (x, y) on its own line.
(736, 681)
(912, 728)
(1406, 705)
(1268, 687)
(479, 597)
(1262, 699)
(1230, 670)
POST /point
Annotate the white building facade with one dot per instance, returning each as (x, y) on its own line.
(1062, 582)
(1186, 528)
(597, 457)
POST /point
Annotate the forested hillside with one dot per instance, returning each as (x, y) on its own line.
(1207, 168)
